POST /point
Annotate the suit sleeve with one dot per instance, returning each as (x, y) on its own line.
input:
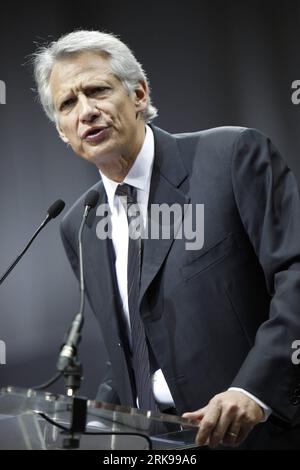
(267, 197)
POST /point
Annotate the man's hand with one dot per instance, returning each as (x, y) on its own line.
(228, 418)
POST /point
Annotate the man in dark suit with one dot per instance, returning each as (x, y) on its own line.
(219, 320)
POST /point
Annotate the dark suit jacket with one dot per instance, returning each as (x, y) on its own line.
(227, 314)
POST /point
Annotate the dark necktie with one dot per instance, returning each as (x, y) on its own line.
(140, 356)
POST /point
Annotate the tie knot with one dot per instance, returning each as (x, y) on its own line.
(126, 190)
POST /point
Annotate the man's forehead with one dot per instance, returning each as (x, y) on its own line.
(79, 67)
(81, 62)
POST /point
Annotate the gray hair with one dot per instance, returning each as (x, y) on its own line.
(120, 59)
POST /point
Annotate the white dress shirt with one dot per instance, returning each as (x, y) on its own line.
(139, 176)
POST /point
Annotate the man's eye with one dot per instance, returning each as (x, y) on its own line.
(67, 103)
(97, 90)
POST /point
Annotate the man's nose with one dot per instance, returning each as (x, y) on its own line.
(88, 110)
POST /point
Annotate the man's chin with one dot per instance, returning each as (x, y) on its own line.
(100, 159)
(94, 159)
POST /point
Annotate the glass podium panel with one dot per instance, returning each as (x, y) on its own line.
(37, 420)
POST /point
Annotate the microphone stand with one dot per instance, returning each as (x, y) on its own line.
(68, 363)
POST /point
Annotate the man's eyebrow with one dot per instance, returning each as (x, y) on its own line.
(96, 82)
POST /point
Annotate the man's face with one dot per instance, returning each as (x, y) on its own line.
(95, 114)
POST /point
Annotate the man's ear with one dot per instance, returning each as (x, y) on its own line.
(141, 95)
(62, 135)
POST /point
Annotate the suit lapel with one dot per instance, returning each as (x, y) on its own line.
(100, 265)
(167, 176)
(105, 300)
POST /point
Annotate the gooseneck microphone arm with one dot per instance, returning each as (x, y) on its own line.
(52, 212)
(67, 361)
(81, 271)
(74, 334)
(15, 262)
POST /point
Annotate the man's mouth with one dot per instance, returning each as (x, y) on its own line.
(95, 134)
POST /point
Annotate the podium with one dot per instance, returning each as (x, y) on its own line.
(35, 420)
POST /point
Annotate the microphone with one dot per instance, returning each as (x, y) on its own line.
(67, 356)
(54, 210)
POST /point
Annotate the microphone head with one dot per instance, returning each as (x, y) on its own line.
(55, 209)
(91, 199)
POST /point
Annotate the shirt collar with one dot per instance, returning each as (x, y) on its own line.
(139, 174)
